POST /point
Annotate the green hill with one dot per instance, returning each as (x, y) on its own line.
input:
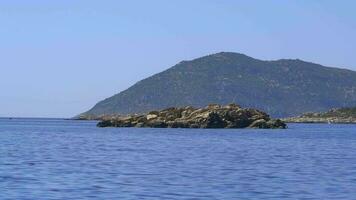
(281, 88)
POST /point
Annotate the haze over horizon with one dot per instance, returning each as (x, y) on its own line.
(60, 58)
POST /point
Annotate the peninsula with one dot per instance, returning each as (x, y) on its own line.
(338, 116)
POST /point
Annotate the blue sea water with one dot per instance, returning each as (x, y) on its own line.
(64, 159)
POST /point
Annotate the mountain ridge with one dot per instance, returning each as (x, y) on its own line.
(229, 77)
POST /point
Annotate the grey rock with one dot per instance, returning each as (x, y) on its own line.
(212, 116)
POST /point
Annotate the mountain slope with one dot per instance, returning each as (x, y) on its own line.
(281, 88)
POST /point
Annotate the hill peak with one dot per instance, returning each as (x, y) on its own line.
(224, 54)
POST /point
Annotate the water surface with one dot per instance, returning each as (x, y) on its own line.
(63, 159)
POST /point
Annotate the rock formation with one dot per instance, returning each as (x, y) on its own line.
(212, 116)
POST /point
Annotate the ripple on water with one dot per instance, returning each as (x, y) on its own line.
(63, 159)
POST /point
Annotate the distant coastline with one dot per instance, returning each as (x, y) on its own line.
(333, 116)
(32, 118)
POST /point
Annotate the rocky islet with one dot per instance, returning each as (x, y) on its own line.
(212, 116)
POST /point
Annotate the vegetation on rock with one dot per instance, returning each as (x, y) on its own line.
(212, 116)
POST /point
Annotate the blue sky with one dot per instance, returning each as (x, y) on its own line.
(58, 58)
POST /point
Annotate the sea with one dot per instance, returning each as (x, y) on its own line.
(69, 159)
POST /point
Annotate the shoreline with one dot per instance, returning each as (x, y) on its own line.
(301, 120)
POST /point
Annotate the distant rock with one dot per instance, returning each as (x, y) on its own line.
(337, 116)
(212, 116)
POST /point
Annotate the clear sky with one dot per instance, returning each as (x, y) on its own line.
(58, 58)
